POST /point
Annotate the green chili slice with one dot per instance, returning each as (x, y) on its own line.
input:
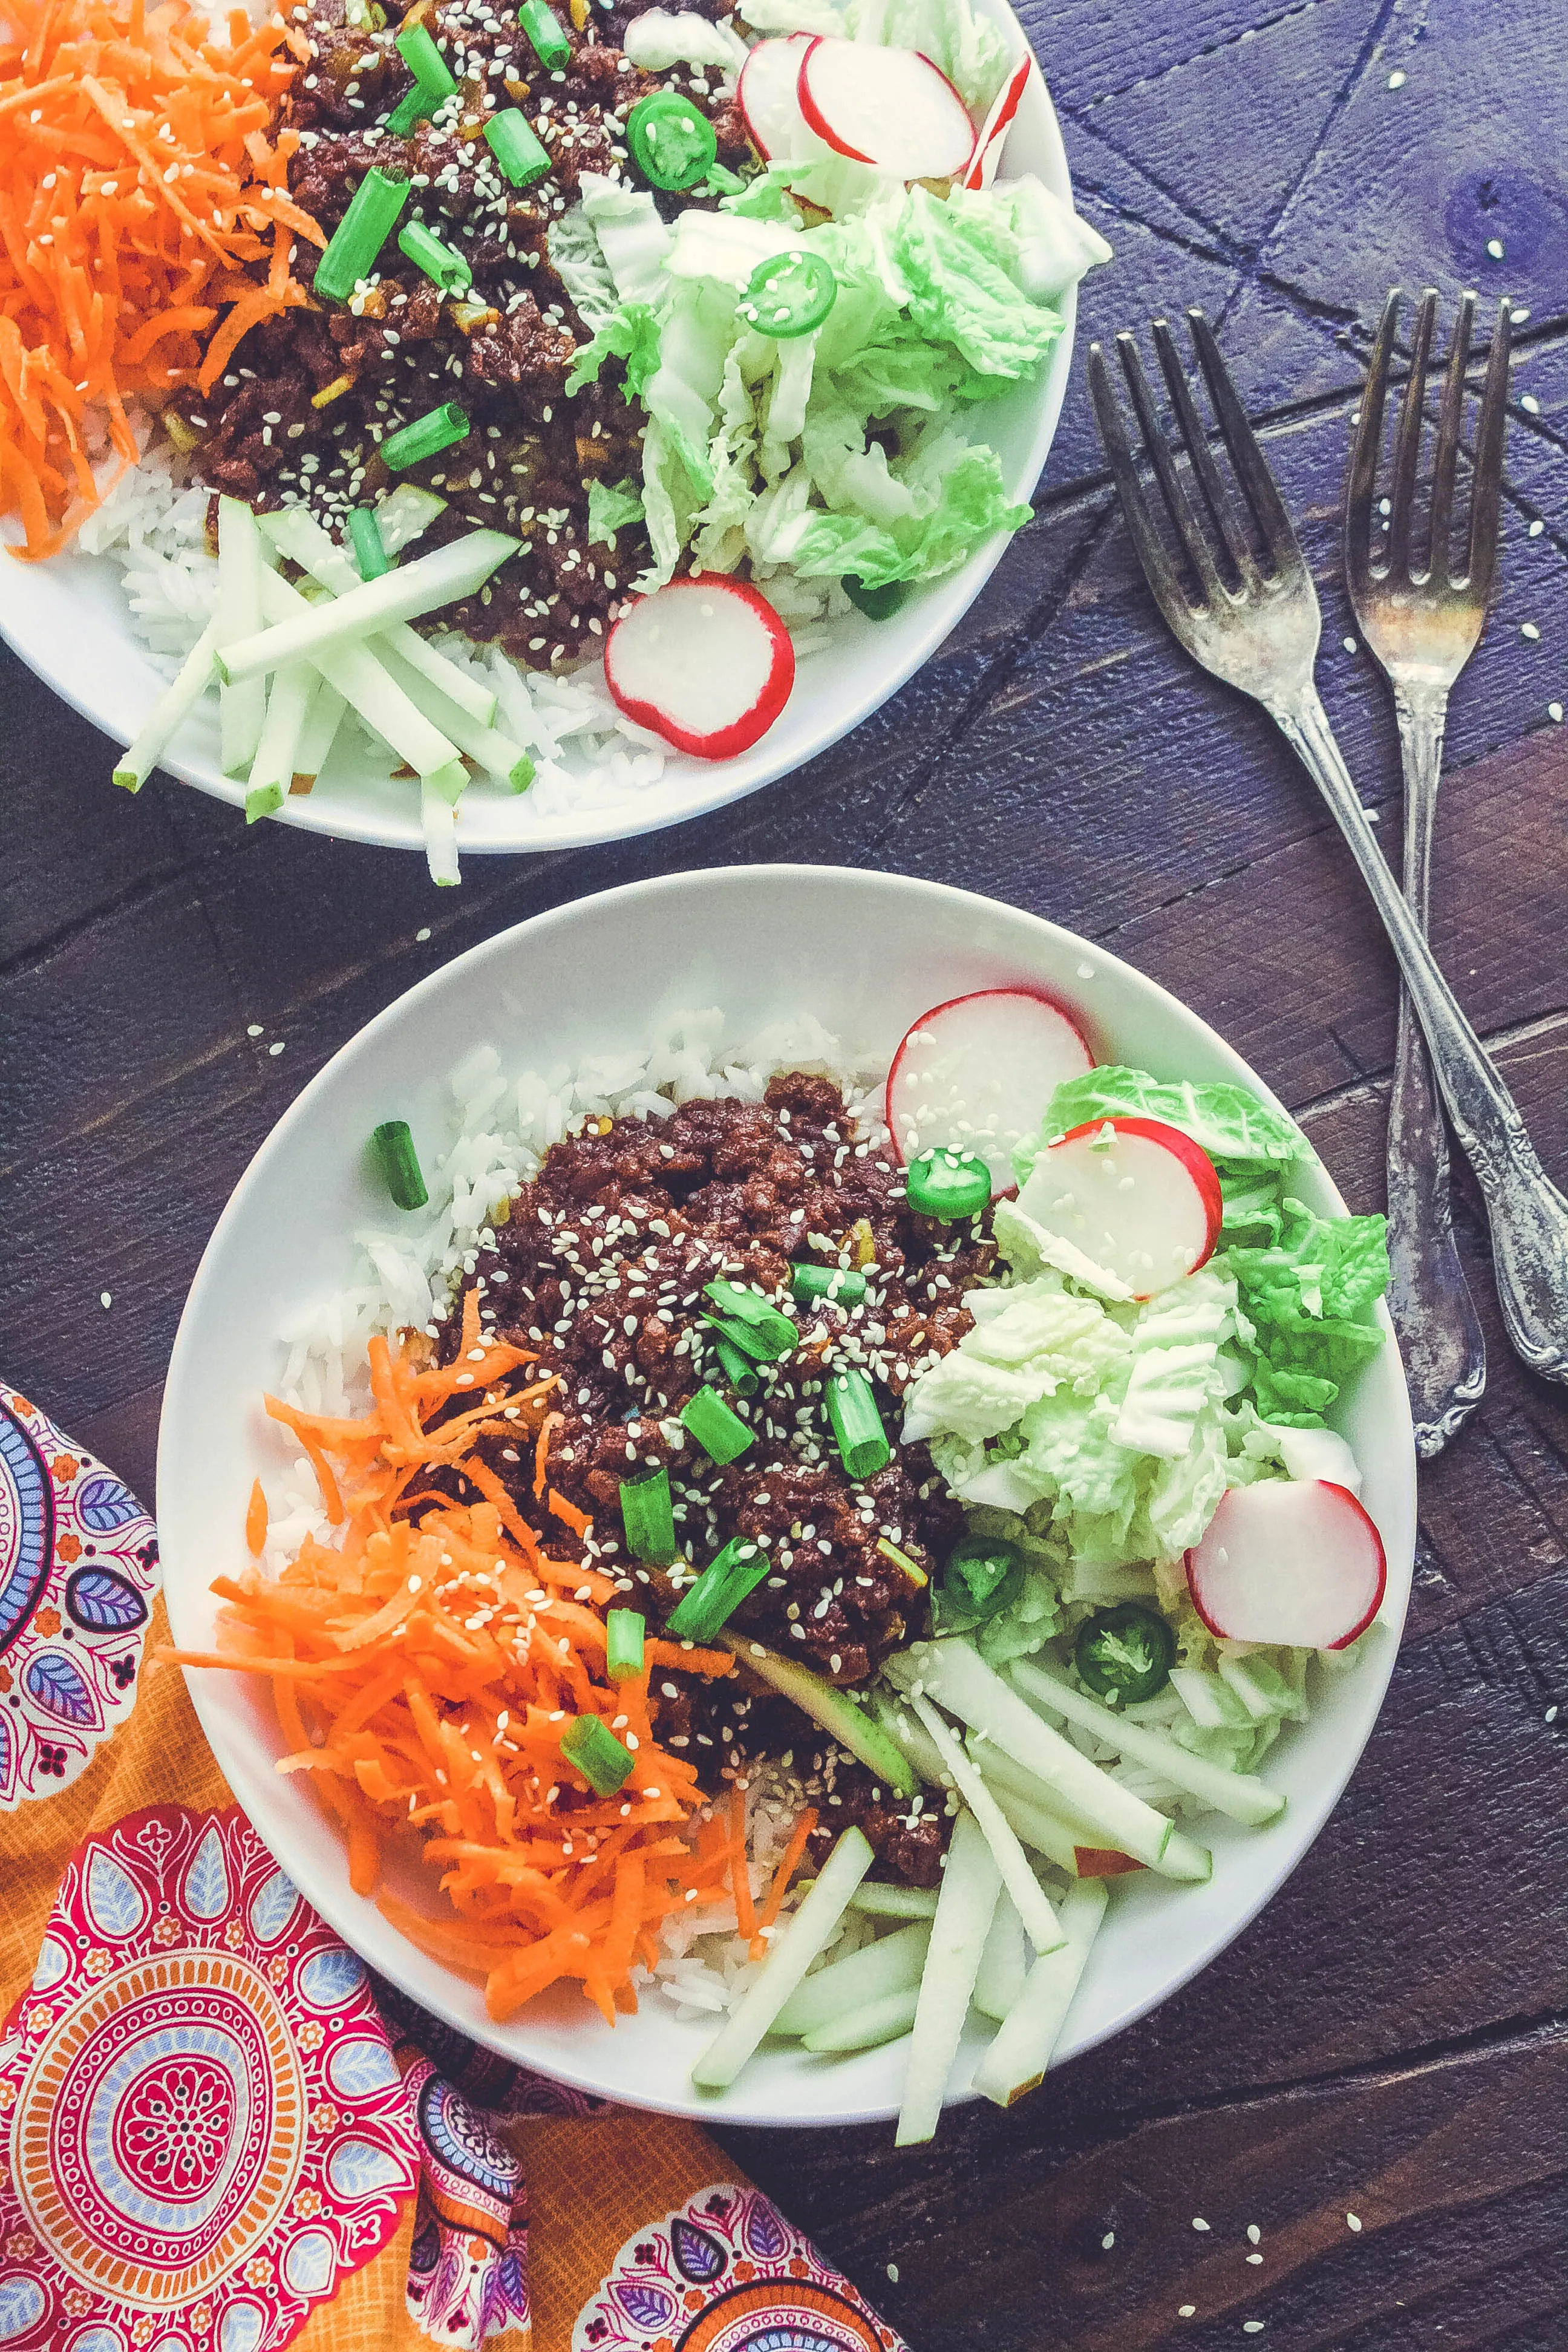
(982, 1575)
(672, 143)
(789, 295)
(947, 1185)
(1124, 1654)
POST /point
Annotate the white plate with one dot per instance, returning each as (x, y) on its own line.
(865, 953)
(67, 620)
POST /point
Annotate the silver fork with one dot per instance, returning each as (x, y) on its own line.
(1261, 636)
(1423, 625)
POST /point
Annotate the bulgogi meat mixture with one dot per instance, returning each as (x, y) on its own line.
(300, 420)
(602, 1267)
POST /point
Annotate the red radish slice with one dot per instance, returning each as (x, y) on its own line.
(707, 664)
(987, 157)
(767, 91)
(977, 1073)
(1138, 1198)
(1293, 1562)
(888, 107)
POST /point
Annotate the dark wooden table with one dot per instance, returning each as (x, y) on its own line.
(1389, 2041)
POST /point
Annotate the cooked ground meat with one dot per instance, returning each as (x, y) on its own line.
(501, 352)
(601, 1265)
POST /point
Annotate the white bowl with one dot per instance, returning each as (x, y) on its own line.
(67, 620)
(865, 953)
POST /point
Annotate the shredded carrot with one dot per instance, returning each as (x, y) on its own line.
(425, 1663)
(781, 1876)
(255, 1520)
(740, 1876)
(551, 1420)
(140, 201)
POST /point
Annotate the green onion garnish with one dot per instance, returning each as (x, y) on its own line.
(590, 1744)
(738, 1369)
(509, 137)
(649, 1517)
(449, 268)
(624, 1631)
(858, 1430)
(546, 35)
(839, 1284)
(400, 1163)
(719, 1592)
(433, 81)
(723, 1435)
(425, 437)
(360, 234)
(364, 538)
(749, 1323)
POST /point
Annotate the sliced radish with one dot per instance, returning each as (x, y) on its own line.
(1136, 1196)
(888, 107)
(977, 1073)
(1290, 1562)
(987, 159)
(768, 94)
(706, 662)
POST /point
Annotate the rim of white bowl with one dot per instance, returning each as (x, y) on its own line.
(244, 1771)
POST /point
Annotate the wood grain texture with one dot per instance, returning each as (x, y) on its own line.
(1391, 2038)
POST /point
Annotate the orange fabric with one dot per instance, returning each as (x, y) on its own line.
(641, 2166)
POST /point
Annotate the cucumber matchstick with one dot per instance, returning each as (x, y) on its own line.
(443, 577)
(791, 1954)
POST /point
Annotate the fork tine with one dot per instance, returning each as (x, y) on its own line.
(1407, 449)
(1251, 471)
(1450, 426)
(1200, 555)
(1364, 454)
(1195, 438)
(1487, 490)
(1148, 545)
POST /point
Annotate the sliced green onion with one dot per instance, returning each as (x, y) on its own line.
(546, 35)
(947, 1185)
(360, 234)
(839, 1284)
(433, 81)
(441, 263)
(364, 538)
(624, 1631)
(723, 1435)
(719, 1592)
(400, 1163)
(425, 437)
(588, 1744)
(672, 143)
(858, 1430)
(649, 1517)
(510, 138)
(877, 604)
(738, 1369)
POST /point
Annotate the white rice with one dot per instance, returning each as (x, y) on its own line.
(502, 1123)
(586, 755)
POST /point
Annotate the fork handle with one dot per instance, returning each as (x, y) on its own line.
(1439, 1331)
(1528, 1215)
